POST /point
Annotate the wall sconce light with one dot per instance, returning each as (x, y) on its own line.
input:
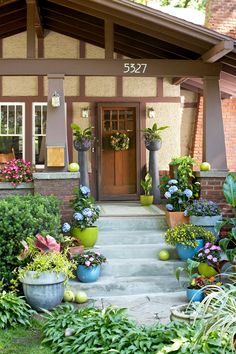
(151, 113)
(55, 100)
(85, 112)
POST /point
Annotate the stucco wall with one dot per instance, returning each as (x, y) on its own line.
(139, 86)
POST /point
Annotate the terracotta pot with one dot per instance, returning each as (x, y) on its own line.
(174, 218)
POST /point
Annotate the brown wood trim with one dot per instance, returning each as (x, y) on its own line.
(119, 81)
(28, 130)
(109, 38)
(31, 28)
(143, 148)
(160, 87)
(190, 105)
(94, 123)
(40, 55)
(108, 67)
(1, 54)
(82, 54)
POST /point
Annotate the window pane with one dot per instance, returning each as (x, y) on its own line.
(39, 149)
(3, 129)
(37, 120)
(44, 119)
(11, 120)
(19, 119)
(7, 143)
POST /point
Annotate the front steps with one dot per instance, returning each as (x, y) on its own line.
(131, 244)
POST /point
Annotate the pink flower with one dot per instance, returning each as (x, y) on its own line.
(215, 259)
(218, 248)
(91, 259)
(209, 257)
(207, 245)
(87, 263)
(200, 254)
(213, 248)
(207, 251)
(98, 254)
(86, 255)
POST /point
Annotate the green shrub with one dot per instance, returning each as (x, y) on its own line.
(90, 330)
(14, 310)
(22, 217)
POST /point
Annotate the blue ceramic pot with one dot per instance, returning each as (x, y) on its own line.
(88, 274)
(185, 252)
(195, 295)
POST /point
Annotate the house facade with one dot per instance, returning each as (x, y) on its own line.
(112, 63)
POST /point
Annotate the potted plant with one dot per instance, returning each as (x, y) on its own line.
(204, 212)
(89, 266)
(146, 184)
(17, 172)
(86, 213)
(182, 168)
(177, 201)
(188, 239)
(83, 138)
(152, 137)
(44, 277)
(229, 189)
(196, 283)
(209, 260)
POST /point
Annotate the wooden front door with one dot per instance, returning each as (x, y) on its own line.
(118, 169)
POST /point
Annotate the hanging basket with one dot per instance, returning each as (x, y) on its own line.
(119, 141)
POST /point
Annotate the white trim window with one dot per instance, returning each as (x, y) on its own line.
(12, 121)
(39, 133)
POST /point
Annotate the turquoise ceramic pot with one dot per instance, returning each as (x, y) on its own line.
(185, 252)
(88, 274)
(195, 295)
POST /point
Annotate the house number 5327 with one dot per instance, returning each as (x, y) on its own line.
(133, 68)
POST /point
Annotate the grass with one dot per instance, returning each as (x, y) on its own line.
(22, 340)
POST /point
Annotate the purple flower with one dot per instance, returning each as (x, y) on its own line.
(207, 251)
(214, 259)
(218, 248)
(210, 257)
(167, 195)
(208, 244)
(200, 254)
(213, 248)
(173, 189)
(169, 207)
(78, 216)
(87, 263)
(188, 193)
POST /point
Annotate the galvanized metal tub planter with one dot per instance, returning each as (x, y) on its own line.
(44, 291)
(208, 222)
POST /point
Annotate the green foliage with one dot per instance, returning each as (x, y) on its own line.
(184, 172)
(153, 133)
(189, 269)
(89, 259)
(110, 331)
(228, 244)
(22, 217)
(49, 262)
(82, 134)
(229, 189)
(14, 310)
(187, 234)
(195, 4)
(146, 184)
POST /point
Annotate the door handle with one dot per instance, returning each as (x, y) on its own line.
(93, 149)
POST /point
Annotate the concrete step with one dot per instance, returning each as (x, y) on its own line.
(117, 286)
(131, 252)
(140, 267)
(130, 223)
(116, 237)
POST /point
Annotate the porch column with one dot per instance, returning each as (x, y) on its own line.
(214, 150)
(56, 132)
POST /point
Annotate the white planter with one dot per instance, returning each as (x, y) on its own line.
(205, 220)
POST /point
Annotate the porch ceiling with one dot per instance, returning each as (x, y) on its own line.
(139, 32)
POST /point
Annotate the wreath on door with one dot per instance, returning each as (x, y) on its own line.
(119, 141)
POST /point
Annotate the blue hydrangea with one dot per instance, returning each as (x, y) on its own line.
(85, 190)
(169, 207)
(78, 216)
(87, 212)
(173, 181)
(185, 213)
(167, 195)
(188, 193)
(66, 227)
(173, 189)
(180, 201)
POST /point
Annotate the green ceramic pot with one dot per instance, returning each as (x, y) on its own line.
(88, 236)
(206, 270)
(146, 200)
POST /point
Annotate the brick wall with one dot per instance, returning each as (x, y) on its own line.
(221, 16)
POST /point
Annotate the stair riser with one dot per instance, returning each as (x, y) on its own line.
(129, 237)
(132, 223)
(146, 251)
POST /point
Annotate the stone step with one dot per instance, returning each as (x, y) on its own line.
(140, 267)
(130, 223)
(131, 252)
(117, 286)
(115, 237)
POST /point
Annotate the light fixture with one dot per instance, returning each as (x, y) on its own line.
(85, 112)
(151, 113)
(55, 100)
